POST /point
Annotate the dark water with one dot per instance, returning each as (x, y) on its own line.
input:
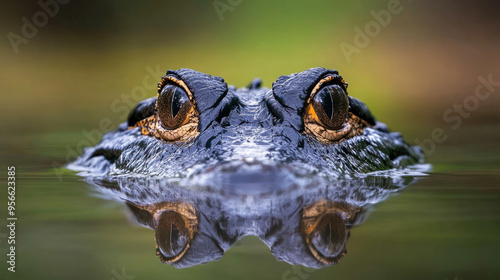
(444, 226)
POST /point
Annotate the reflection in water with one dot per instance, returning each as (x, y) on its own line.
(325, 227)
(175, 226)
(308, 225)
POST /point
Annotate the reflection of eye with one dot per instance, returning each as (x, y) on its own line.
(172, 235)
(330, 106)
(173, 106)
(329, 236)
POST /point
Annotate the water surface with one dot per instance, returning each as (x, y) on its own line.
(444, 226)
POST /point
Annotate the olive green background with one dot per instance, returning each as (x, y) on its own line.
(78, 76)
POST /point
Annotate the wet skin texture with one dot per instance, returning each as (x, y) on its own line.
(204, 163)
(198, 127)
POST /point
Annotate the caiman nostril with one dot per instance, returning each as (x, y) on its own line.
(255, 84)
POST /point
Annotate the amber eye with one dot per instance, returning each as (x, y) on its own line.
(173, 106)
(331, 106)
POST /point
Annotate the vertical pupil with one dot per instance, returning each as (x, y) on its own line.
(324, 97)
(332, 106)
(330, 236)
(173, 106)
(171, 234)
(179, 97)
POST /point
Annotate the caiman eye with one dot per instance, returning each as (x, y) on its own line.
(173, 106)
(331, 106)
(327, 116)
(175, 117)
(172, 116)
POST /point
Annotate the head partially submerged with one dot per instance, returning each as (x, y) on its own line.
(200, 128)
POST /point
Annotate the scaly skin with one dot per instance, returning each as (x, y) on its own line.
(249, 161)
(248, 129)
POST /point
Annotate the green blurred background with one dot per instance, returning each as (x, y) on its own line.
(94, 59)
